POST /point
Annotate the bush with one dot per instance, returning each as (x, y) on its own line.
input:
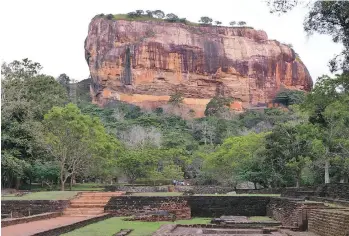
(132, 14)
(110, 16)
(290, 97)
(171, 17)
(155, 182)
(159, 110)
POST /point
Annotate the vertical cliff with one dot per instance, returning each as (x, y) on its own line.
(145, 62)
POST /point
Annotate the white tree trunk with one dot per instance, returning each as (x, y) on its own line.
(327, 173)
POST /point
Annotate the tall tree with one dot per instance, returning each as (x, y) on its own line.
(232, 23)
(331, 18)
(227, 163)
(206, 20)
(26, 97)
(331, 124)
(324, 17)
(289, 146)
(75, 140)
(159, 14)
(64, 80)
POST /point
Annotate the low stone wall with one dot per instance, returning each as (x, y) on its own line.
(332, 190)
(333, 222)
(198, 189)
(342, 203)
(200, 206)
(292, 212)
(22, 208)
(136, 189)
(212, 189)
(68, 228)
(15, 221)
(132, 205)
(216, 206)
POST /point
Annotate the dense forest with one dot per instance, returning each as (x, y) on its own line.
(52, 134)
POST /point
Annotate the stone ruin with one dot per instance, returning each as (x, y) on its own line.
(225, 225)
(168, 211)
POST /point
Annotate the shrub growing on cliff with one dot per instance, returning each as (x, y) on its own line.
(149, 13)
(159, 14)
(139, 12)
(218, 22)
(205, 20)
(217, 105)
(176, 99)
(290, 97)
(132, 14)
(172, 17)
(241, 23)
(110, 16)
(183, 20)
(232, 23)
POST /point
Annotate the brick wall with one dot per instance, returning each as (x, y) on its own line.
(215, 206)
(136, 189)
(329, 222)
(131, 205)
(291, 212)
(332, 190)
(200, 206)
(43, 216)
(20, 208)
(211, 189)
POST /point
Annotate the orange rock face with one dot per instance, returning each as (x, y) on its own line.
(144, 63)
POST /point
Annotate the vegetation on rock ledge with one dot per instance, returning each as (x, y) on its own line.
(158, 15)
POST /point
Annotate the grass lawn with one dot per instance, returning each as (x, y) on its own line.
(76, 187)
(247, 195)
(147, 18)
(179, 194)
(260, 218)
(115, 224)
(86, 187)
(158, 194)
(49, 195)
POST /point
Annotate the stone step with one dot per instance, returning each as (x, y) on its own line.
(96, 195)
(232, 231)
(82, 215)
(83, 211)
(78, 201)
(86, 205)
(93, 199)
(102, 194)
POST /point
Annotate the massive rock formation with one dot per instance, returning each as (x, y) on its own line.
(144, 63)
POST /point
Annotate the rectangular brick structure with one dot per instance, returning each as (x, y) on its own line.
(329, 222)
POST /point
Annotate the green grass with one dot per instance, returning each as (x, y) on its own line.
(49, 195)
(180, 194)
(158, 194)
(260, 218)
(115, 224)
(86, 187)
(76, 187)
(147, 18)
(247, 195)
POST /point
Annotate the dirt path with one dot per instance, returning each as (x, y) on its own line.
(31, 228)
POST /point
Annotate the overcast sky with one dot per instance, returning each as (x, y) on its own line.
(53, 32)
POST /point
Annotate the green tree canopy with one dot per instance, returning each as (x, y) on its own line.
(76, 140)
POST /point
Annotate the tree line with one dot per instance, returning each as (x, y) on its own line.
(171, 17)
(51, 133)
(50, 136)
